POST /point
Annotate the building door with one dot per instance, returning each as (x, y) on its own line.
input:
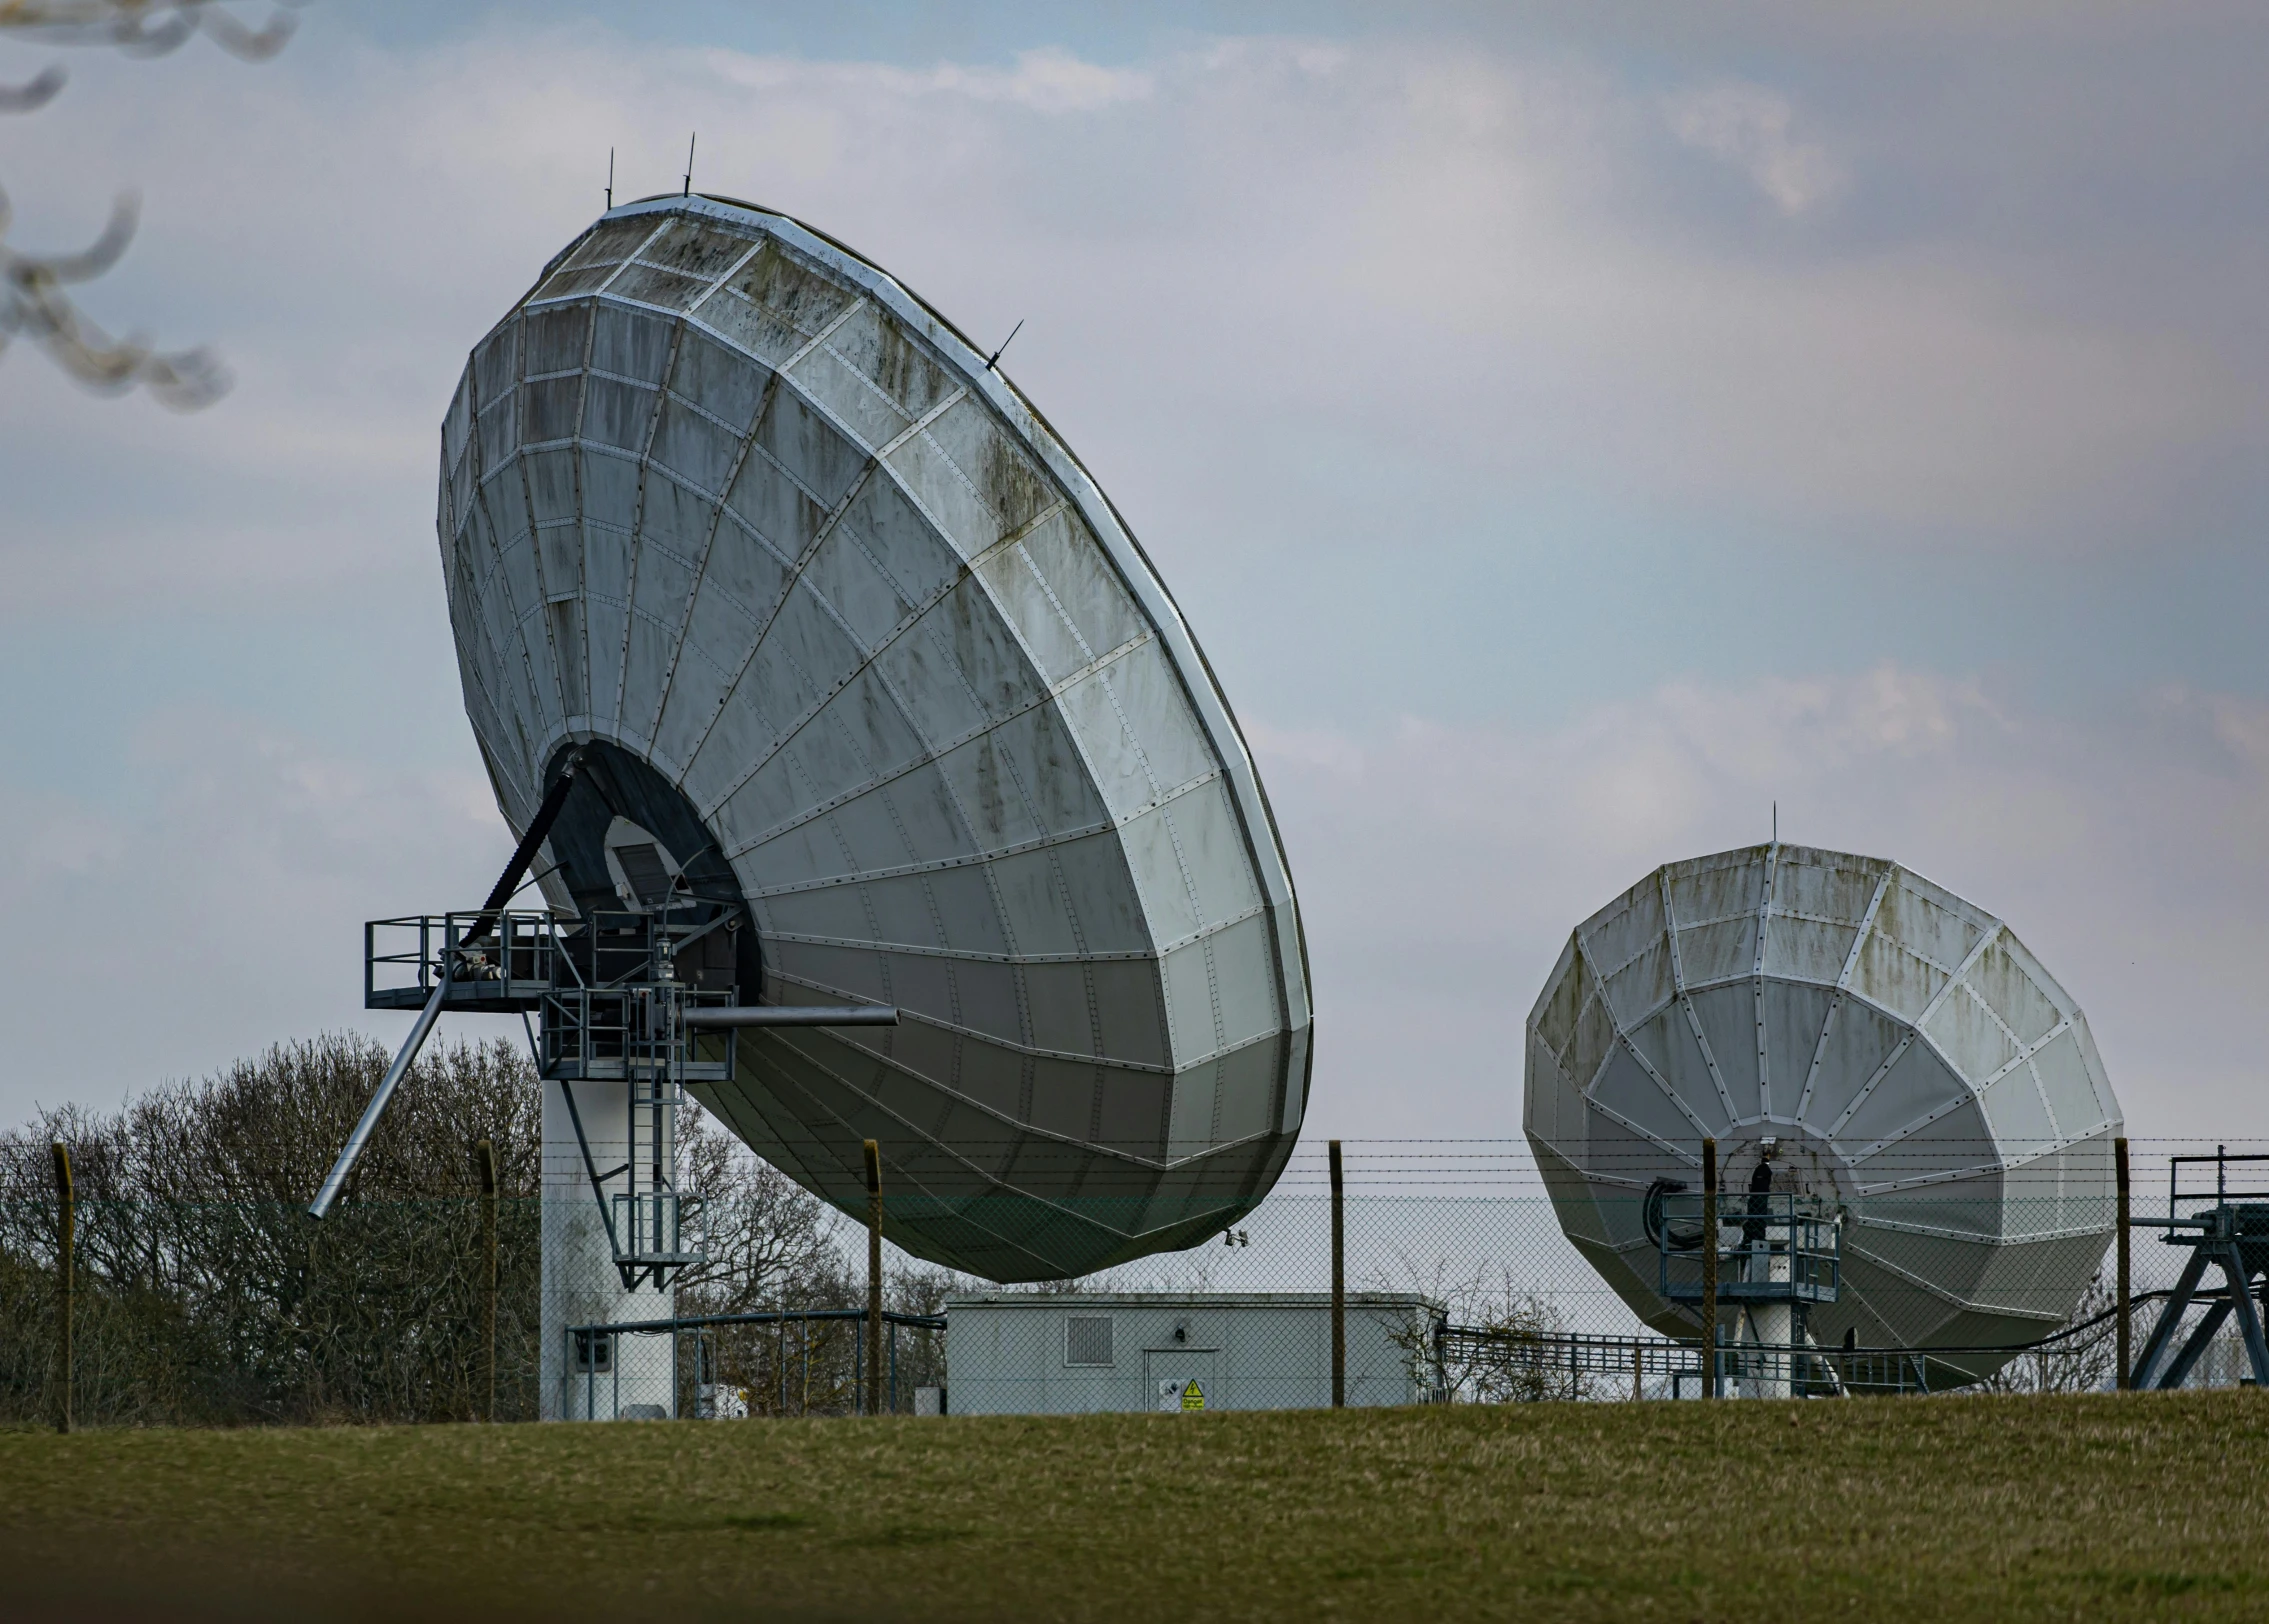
(1183, 1379)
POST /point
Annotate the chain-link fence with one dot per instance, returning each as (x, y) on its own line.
(247, 1312)
(1461, 1284)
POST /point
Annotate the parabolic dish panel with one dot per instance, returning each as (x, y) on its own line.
(845, 628)
(1917, 1066)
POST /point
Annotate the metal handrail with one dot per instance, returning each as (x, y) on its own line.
(2222, 1195)
(507, 934)
(695, 1322)
(1561, 1339)
(1803, 1230)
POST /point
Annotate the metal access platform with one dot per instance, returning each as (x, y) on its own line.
(604, 986)
(606, 998)
(642, 998)
(2229, 1231)
(634, 998)
(1789, 1248)
(493, 963)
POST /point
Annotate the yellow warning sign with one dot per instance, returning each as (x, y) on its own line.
(1193, 1397)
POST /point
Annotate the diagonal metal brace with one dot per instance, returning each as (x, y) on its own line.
(555, 799)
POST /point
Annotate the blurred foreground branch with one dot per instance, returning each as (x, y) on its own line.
(33, 303)
(143, 27)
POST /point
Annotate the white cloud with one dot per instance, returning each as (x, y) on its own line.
(1048, 80)
(1748, 127)
(1441, 867)
(1457, 258)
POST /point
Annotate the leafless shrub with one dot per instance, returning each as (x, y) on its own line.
(1514, 1361)
(768, 1241)
(2080, 1362)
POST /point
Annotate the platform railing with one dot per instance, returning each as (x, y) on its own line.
(1770, 1248)
(500, 958)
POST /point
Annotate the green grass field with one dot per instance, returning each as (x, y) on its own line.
(1967, 1508)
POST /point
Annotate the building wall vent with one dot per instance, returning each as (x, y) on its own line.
(1087, 1339)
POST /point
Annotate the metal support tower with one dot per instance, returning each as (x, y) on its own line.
(628, 1006)
(618, 1012)
(1789, 1255)
(2232, 1235)
(607, 1004)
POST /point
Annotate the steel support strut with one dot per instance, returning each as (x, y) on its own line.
(2170, 1320)
(2229, 1242)
(336, 1180)
(506, 883)
(2248, 1313)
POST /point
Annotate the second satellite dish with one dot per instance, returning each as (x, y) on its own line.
(1872, 1054)
(851, 642)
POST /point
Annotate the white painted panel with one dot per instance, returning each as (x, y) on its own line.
(1244, 974)
(1213, 852)
(865, 412)
(1167, 900)
(1065, 554)
(1189, 1002)
(1158, 712)
(1111, 747)
(1024, 601)
(1968, 1035)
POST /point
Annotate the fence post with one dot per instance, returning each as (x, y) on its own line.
(1338, 1283)
(873, 1327)
(1638, 1372)
(2119, 1166)
(67, 1237)
(1710, 1266)
(484, 1155)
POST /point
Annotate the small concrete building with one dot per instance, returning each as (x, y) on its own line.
(1027, 1353)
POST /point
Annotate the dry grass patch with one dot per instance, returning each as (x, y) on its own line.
(2148, 1506)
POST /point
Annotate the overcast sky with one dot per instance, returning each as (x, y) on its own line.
(1566, 438)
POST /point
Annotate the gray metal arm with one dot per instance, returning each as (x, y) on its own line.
(794, 1015)
(321, 1206)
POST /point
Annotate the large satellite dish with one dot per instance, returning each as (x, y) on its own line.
(827, 623)
(1919, 1073)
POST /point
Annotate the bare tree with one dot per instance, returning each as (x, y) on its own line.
(34, 303)
(768, 1241)
(205, 1293)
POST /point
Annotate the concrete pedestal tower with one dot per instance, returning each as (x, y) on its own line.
(587, 1377)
